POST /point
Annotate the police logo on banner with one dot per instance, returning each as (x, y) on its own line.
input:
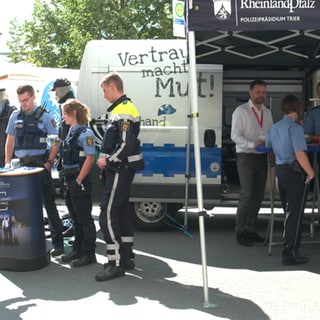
(222, 9)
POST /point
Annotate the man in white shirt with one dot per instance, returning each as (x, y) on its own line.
(250, 124)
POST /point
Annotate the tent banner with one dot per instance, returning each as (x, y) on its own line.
(252, 15)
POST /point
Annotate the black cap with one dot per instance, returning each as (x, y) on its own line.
(2, 89)
(61, 82)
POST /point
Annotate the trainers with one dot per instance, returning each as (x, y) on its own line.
(110, 272)
(84, 260)
(72, 255)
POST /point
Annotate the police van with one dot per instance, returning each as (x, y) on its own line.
(41, 79)
(155, 74)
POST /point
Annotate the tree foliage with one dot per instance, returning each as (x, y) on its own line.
(59, 29)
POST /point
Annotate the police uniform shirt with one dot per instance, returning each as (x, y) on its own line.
(285, 138)
(46, 124)
(85, 140)
(312, 122)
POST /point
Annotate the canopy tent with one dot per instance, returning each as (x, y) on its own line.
(263, 34)
(278, 49)
(258, 34)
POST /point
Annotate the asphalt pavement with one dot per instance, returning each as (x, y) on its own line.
(169, 279)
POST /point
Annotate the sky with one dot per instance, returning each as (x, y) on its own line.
(22, 9)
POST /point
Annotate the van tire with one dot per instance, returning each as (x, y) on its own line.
(151, 216)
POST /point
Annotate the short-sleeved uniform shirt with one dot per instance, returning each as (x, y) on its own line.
(285, 138)
(46, 123)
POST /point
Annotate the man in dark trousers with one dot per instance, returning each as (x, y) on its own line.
(250, 122)
(27, 133)
(119, 159)
(294, 172)
(63, 90)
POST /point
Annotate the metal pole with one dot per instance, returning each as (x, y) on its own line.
(271, 192)
(186, 200)
(193, 93)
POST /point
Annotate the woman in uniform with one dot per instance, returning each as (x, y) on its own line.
(78, 159)
(294, 173)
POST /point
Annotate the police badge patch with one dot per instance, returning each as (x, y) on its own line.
(222, 9)
(90, 141)
(125, 126)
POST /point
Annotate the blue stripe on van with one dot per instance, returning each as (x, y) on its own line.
(170, 160)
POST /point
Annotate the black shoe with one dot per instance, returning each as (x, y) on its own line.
(84, 260)
(57, 251)
(243, 240)
(291, 261)
(110, 272)
(254, 236)
(72, 255)
(127, 264)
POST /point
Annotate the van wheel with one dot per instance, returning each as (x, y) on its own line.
(150, 216)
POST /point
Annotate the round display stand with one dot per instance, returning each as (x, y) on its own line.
(22, 236)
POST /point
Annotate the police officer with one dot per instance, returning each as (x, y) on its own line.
(312, 120)
(63, 91)
(5, 112)
(27, 133)
(294, 173)
(78, 159)
(120, 157)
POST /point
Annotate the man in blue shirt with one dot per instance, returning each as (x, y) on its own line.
(294, 172)
(312, 120)
(27, 133)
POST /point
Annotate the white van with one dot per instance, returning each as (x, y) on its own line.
(155, 74)
(41, 79)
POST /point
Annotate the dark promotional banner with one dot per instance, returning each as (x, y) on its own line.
(252, 15)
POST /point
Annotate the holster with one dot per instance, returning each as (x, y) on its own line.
(297, 168)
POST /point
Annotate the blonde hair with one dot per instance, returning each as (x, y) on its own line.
(82, 111)
(113, 77)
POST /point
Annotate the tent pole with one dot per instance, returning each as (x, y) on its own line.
(193, 94)
(186, 200)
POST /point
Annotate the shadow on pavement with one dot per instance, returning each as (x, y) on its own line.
(167, 276)
(152, 280)
(222, 249)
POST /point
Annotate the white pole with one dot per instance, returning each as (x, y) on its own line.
(193, 94)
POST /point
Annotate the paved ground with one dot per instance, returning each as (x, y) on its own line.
(243, 283)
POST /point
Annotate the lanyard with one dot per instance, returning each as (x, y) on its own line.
(260, 121)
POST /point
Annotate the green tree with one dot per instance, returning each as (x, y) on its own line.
(59, 29)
